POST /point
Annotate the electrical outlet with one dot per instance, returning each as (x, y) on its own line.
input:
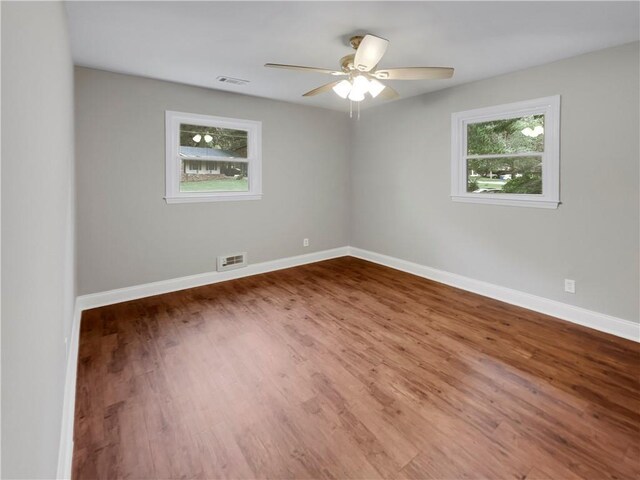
(569, 285)
(305, 242)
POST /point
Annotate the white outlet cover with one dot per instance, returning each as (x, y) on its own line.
(569, 285)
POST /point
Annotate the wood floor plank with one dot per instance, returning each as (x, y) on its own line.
(346, 369)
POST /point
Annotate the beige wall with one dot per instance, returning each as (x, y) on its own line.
(37, 233)
(128, 235)
(400, 187)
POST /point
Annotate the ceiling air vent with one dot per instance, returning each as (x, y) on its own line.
(229, 262)
(233, 81)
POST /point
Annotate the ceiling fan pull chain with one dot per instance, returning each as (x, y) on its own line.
(358, 110)
(350, 109)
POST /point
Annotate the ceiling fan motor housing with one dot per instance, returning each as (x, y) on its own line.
(355, 41)
(347, 63)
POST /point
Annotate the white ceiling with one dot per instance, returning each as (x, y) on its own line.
(195, 42)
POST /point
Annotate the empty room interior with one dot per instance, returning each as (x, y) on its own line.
(320, 240)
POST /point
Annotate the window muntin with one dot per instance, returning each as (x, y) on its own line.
(212, 158)
(507, 154)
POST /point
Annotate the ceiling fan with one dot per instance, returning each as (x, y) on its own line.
(362, 74)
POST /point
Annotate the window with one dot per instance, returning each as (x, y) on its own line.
(508, 154)
(212, 158)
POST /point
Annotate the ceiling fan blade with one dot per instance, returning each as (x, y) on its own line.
(304, 69)
(321, 89)
(414, 73)
(388, 93)
(369, 52)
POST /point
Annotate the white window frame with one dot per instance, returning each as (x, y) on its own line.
(550, 197)
(173, 120)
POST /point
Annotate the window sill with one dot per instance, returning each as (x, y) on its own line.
(214, 198)
(510, 202)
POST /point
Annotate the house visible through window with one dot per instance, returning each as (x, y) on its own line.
(212, 158)
(507, 154)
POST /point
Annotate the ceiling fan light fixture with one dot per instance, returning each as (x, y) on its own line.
(343, 88)
(361, 82)
(360, 85)
(375, 87)
(356, 95)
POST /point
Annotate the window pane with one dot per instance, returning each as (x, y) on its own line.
(505, 175)
(514, 135)
(213, 176)
(212, 142)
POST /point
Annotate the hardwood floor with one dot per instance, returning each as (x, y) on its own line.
(346, 369)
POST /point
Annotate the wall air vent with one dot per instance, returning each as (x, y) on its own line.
(229, 262)
(233, 81)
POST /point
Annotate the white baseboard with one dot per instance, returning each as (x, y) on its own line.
(581, 316)
(173, 285)
(65, 449)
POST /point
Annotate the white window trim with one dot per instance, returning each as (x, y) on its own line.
(550, 197)
(172, 164)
